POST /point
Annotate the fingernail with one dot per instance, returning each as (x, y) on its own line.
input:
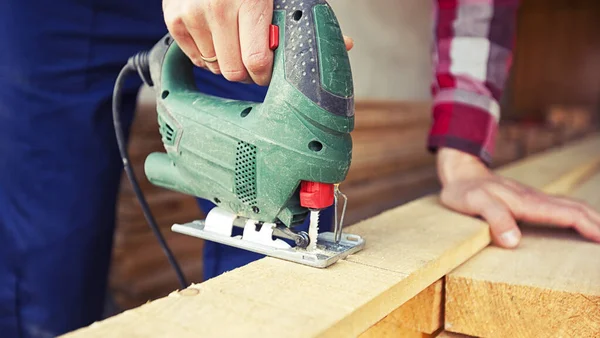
(510, 238)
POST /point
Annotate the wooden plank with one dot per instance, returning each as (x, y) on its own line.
(406, 251)
(423, 314)
(408, 248)
(447, 334)
(535, 170)
(389, 330)
(550, 284)
(566, 184)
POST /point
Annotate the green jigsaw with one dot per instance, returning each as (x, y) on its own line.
(266, 166)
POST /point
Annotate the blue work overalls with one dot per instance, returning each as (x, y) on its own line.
(59, 163)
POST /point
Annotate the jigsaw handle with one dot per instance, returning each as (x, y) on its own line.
(309, 54)
(316, 62)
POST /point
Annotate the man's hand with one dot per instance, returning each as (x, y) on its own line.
(235, 31)
(469, 187)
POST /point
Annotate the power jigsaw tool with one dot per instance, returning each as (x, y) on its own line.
(266, 166)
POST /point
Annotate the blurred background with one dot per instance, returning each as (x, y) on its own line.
(552, 97)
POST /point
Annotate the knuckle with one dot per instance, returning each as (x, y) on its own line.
(445, 196)
(586, 207)
(192, 8)
(215, 69)
(217, 8)
(192, 21)
(252, 3)
(234, 75)
(174, 23)
(580, 212)
(260, 7)
(475, 197)
(258, 62)
(193, 15)
(574, 217)
(505, 219)
(530, 197)
(197, 61)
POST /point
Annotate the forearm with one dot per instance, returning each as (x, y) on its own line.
(472, 56)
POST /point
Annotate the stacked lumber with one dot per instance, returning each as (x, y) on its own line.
(549, 287)
(409, 250)
(390, 167)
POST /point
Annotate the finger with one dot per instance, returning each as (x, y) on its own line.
(223, 23)
(503, 227)
(587, 220)
(180, 34)
(197, 26)
(349, 43)
(533, 206)
(254, 21)
(546, 209)
(590, 212)
(189, 48)
(588, 229)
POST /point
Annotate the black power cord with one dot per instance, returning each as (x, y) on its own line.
(140, 64)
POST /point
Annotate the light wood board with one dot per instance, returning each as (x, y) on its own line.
(422, 314)
(406, 251)
(548, 287)
(390, 330)
(408, 248)
(556, 170)
(447, 334)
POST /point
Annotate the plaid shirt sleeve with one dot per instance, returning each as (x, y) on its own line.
(472, 55)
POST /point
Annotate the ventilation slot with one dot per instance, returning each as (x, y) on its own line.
(169, 133)
(245, 173)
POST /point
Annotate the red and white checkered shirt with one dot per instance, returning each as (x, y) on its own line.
(472, 54)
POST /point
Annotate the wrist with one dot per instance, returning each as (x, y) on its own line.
(454, 165)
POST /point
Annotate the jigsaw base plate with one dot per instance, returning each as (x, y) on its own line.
(327, 252)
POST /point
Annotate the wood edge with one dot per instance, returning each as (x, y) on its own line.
(573, 179)
(448, 334)
(428, 324)
(347, 327)
(494, 289)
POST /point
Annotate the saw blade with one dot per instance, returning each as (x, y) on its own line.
(313, 230)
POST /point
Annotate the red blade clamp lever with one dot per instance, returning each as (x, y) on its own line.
(316, 195)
